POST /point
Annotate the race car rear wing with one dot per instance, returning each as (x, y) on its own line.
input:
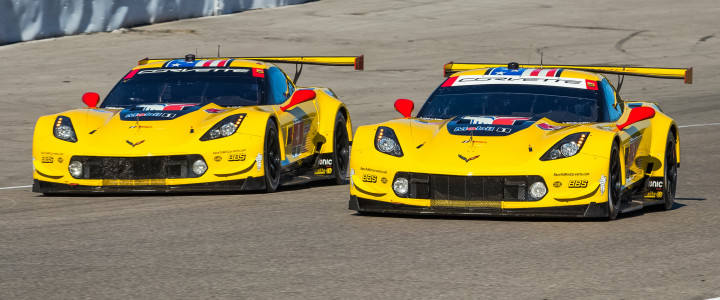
(668, 73)
(358, 62)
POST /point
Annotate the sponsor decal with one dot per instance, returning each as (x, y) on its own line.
(557, 184)
(323, 171)
(602, 181)
(504, 130)
(218, 158)
(484, 120)
(373, 170)
(60, 160)
(214, 110)
(655, 184)
(134, 144)
(325, 162)
(151, 114)
(534, 78)
(578, 184)
(384, 180)
(546, 126)
(470, 128)
(51, 153)
(236, 157)
(369, 178)
(228, 151)
(47, 159)
(571, 174)
(258, 161)
(467, 159)
(139, 127)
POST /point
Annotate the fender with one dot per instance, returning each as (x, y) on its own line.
(328, 106)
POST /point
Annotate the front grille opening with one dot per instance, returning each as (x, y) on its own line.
(469, 191)
(138, 168)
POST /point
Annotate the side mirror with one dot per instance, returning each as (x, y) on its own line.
(299, 97)
(404, 107)
(636, 115)
(91, 99)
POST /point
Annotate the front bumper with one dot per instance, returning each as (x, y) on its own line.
(148, 186)
(591, 210)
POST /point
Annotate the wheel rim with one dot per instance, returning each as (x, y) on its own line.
(272, 156)
(342, 149)
(615, 183)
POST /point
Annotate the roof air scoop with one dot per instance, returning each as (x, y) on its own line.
(513, 66)
(190, 57)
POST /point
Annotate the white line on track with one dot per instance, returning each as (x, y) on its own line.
(15, 187)
(699, 125)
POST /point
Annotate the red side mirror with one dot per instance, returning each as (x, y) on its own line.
(636, 115)
(91, 99)
(299, 97)
(404, 107)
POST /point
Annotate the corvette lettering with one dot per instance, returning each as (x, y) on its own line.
(203, 70)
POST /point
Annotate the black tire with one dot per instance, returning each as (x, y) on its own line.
(341, 149)
(271, 157)
(670, 178)
(614, 183)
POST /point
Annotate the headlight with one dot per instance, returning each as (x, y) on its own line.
(76, 169)
(401, 186)
(199, 167)
(566, 147)
(386, 142)
(64, 130)
(224, 128)
(537, 190)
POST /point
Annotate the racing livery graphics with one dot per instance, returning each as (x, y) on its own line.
(219, 124)
(512, 140)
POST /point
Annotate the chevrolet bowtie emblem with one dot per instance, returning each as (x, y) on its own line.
(468, 159)
(134, 144)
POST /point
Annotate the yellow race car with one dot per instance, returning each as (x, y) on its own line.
(219, 124)
(520, 140)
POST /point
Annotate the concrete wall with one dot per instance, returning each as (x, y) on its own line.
(24, 20)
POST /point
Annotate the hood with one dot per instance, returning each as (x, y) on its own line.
(472, 144)
(147, 129)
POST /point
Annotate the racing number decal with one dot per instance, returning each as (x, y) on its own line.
(297, 134)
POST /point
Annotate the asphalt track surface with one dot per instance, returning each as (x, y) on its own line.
(302, 242)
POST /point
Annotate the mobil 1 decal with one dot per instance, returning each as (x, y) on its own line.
(487, 125)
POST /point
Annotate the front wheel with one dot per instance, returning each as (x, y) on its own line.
(341, 149)
(614, 183)
(670, 180)
(272, 157)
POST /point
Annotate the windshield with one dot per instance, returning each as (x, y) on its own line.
(559, 104)
(224, 87)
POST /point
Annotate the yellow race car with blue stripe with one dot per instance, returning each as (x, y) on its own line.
(520, 140)
(188, 125)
